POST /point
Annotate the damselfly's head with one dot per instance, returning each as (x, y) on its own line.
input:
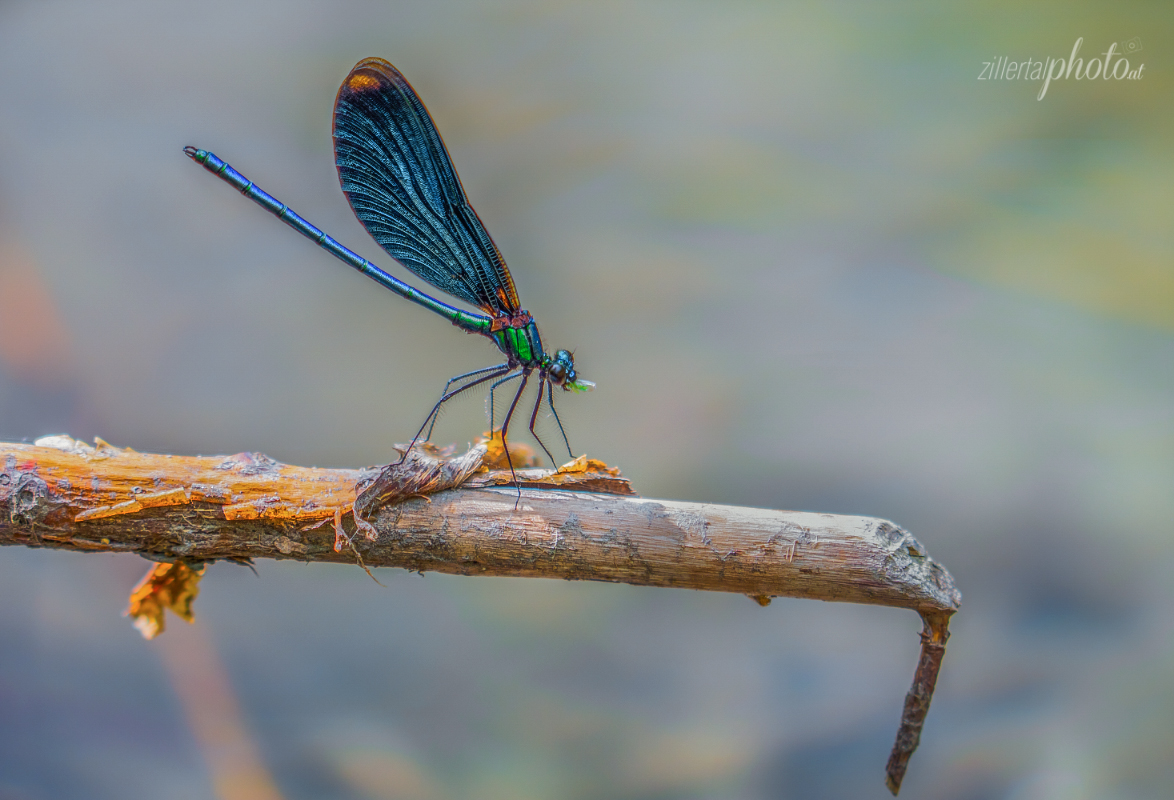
(561, 372)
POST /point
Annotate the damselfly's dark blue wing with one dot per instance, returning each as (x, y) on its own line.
(399, 179)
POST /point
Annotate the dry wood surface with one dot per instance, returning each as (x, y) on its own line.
(454, 515)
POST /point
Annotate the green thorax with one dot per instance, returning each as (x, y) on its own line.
(522, 345)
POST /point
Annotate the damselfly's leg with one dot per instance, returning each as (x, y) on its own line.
(502, 370)
(542, 382)
(505, 426)
(453, 380)
(491, 388)
(550, 402)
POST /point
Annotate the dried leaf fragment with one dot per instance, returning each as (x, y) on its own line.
(523, 456)
(583, 474)
(173, 586)
(585, 464)
(422, 471)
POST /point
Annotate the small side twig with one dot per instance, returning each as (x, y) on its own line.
(933, 649)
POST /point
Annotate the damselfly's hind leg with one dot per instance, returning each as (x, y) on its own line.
(451, 381)
(496, 372)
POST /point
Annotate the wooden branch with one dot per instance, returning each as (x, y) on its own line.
(65, 494)
(62, 493)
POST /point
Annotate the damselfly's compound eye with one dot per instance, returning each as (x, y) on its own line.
(562, 369)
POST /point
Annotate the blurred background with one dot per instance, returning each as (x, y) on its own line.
(812, 261)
